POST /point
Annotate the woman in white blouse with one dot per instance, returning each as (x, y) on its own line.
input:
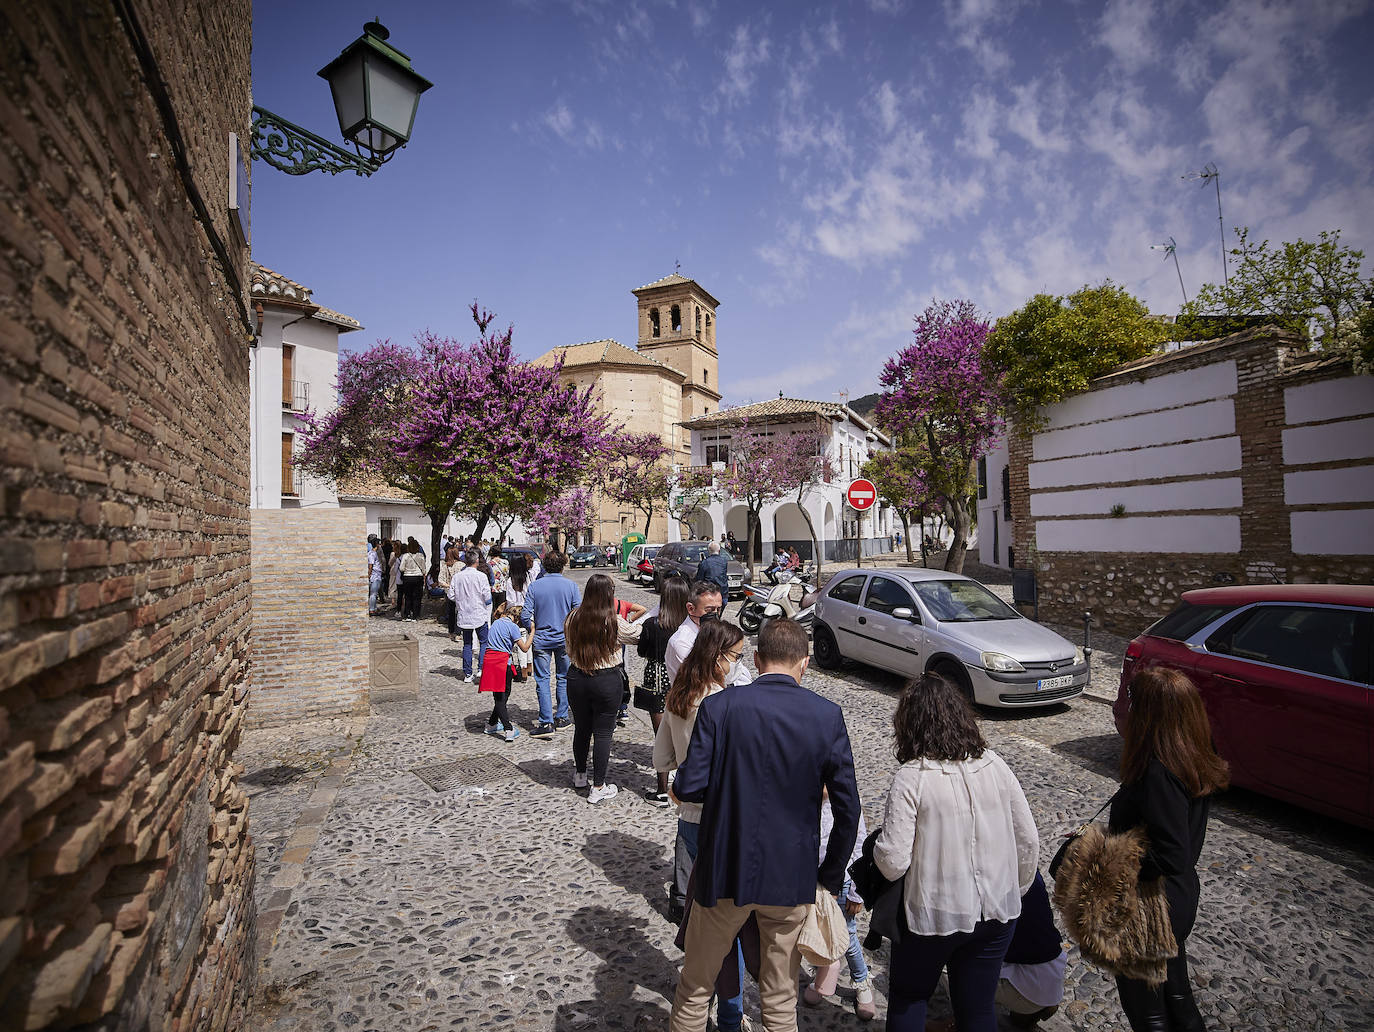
(959, 829)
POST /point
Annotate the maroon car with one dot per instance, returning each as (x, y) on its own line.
(1284, 670)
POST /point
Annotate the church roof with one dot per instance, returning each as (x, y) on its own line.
(676, 280)
(604, 352)
(780, 408)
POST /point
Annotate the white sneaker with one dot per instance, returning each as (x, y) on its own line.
(600, 795)
(467, 679)
(580, 780)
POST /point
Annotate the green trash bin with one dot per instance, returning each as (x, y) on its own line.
(626, 543)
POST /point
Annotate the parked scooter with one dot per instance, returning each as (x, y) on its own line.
(793, 599)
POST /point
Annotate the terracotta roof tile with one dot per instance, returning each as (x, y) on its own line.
(273, 286)
(596, 352)
(372, 487)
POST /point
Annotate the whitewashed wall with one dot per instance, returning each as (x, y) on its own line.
(1331, 421)
(1165, 450)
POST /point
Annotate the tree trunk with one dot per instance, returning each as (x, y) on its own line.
(504, 528)
(954, 560)
(815, 544)
(751, 524)
(906, 536)
(482, 518)
(436, 531)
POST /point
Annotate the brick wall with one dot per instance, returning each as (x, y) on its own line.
(310, 649)
(125, 867)
(1221, 503)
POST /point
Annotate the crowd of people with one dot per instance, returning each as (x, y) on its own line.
(762, 775)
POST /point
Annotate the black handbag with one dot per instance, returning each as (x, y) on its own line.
(653, 692)
(1069, 840)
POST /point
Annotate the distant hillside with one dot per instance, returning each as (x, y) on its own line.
(864, 406)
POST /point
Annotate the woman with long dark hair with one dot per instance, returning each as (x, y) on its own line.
(594, 635)
(959, 832)
(707, 669)
(653, 649)
(1169, 771)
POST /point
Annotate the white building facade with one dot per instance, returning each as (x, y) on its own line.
(994, 531)
(295, 368)
(782, 523)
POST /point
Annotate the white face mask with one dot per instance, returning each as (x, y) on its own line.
(733, 673)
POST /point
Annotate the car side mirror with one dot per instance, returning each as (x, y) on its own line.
(906, 613)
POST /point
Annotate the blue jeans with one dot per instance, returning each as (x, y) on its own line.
(559, 655)
(372, 588)
(974, 960)
(858, 966)
(467, 648)
(729, 1013)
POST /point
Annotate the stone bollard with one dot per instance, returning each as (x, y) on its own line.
(395, 664)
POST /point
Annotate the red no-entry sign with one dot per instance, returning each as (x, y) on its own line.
(861, 494)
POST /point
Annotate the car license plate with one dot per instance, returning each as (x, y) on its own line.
(1062, 681)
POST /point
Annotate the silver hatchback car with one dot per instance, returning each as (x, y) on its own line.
(909, 621)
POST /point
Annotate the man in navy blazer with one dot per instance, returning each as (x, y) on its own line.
(759, 757)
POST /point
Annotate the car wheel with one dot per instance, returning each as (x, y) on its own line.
(826, 649)
(952, 671)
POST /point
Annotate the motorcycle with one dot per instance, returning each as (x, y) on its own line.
(792, 599)
(644, 573)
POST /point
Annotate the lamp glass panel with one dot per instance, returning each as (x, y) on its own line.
(346, 83)
(394, 97)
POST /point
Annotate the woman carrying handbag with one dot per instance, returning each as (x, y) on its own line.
(653, 649)
(1169, 771)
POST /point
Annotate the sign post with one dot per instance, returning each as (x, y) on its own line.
(861, 496)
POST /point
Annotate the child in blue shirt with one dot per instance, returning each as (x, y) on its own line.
(503, 640)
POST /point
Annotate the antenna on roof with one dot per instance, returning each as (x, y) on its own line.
(677, 267)
(780, 395)
(1209, 174)
(1171, 249)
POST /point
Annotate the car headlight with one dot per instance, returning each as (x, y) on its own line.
(1078, 656)
(1000, 663)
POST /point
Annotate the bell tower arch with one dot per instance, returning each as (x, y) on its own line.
(677, 326)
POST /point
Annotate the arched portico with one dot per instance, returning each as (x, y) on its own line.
(790, 529)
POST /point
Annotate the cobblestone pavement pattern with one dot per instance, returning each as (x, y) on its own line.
(517, 905)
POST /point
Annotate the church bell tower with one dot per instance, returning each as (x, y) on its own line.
(677, 326)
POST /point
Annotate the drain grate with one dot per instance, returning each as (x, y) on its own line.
(469, 771)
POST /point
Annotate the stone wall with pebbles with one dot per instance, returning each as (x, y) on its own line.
(125, 866)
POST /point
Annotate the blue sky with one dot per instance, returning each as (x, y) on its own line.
(823, 170)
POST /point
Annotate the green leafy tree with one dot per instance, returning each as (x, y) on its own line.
(1052, 346)
(1309, 287)
(902, 477)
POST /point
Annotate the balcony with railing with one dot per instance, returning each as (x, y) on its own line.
(292, 480)
(295, 395)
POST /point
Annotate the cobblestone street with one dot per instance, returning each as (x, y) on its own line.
(515, 904)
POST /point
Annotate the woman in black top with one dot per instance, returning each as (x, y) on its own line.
(1169, 771)
(653, 648)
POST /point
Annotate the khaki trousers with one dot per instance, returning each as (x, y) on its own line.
(710, 933)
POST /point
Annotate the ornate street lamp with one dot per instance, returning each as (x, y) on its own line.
(376, 93)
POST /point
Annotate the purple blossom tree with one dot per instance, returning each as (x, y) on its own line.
(638, 475)
(571, 512)
(769, 462)
(901, 478)
(944, 391)
(465, 427)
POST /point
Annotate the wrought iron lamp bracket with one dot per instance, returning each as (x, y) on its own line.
(296, 151)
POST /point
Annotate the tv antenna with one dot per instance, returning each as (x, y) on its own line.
(1171, 250)
(1209, 173)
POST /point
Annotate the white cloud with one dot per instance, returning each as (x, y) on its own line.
(576, 132)
(1039, 123)
(886, 103)
(748, 51)
(972, 23)
(981, 119)
(1127, 30)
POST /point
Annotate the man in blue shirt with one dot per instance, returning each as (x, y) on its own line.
(715, 568)
(548, 601)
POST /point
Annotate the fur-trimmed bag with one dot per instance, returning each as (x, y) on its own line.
(1120, 923)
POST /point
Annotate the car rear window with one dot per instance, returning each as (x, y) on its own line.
(1321, 640)
(1186, 620)
(849, 589)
